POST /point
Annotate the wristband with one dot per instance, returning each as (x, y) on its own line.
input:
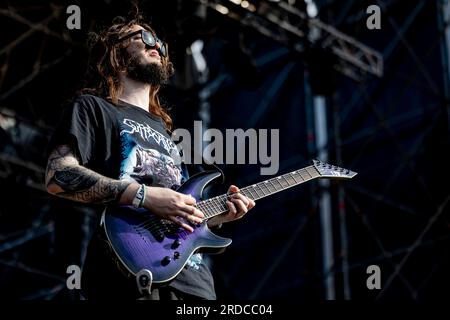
(139, 198)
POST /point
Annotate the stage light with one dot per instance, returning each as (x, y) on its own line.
(311, 8)
(222, 9)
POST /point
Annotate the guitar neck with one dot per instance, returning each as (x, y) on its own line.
(217, 205)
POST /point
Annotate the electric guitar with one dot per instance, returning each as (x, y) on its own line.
(142, 240)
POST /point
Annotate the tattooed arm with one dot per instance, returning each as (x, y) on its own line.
(66, 178)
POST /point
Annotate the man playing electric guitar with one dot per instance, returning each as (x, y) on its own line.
(113, 148)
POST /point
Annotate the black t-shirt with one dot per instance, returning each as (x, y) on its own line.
(128, 143)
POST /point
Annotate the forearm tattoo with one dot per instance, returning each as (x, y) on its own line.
(79, 183)
(73, 180)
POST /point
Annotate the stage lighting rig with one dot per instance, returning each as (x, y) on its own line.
(299, 30)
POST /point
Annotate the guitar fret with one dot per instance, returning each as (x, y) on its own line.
(212, 204)
(293, 177)
(200, 207)
(256, 191)
(267, 185)
(208, 205)
(253, 192)
(223, 201)
(287, 182)
(271, 183)
(278, 180)
(261, 189)
(247, 193)
(310, 176)
(301, 174)
(207, 210)
(247, 189)
(313, 174)
(217, 207)
(223, 204)
(203, 208)
(267, 189)
(216, 204)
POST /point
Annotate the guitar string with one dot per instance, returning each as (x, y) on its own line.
(209, 207)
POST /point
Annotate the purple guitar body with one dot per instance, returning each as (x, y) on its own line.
(141, 240)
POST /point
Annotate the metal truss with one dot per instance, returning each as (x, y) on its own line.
(12, 13)
(19, 151)
(385, 123)
(286, 24)
(417, 78)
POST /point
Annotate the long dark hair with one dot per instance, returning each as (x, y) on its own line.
(109, 58)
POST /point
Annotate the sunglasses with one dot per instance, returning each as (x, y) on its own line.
(149, 39)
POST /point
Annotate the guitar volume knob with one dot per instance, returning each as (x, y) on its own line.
(166, 260)
(176, 244)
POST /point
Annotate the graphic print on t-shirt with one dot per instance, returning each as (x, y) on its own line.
(145, 164)
(153, 167)
(147, 133)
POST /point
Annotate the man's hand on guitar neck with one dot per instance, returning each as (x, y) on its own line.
(239, 206)
(169, 204)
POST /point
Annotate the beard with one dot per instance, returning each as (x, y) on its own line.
(152, 73)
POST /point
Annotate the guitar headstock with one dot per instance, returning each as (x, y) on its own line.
(329, 171)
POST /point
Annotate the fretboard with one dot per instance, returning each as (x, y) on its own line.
(217, 205)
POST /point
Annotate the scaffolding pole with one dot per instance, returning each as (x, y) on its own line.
(321, 134)
(341, 204)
